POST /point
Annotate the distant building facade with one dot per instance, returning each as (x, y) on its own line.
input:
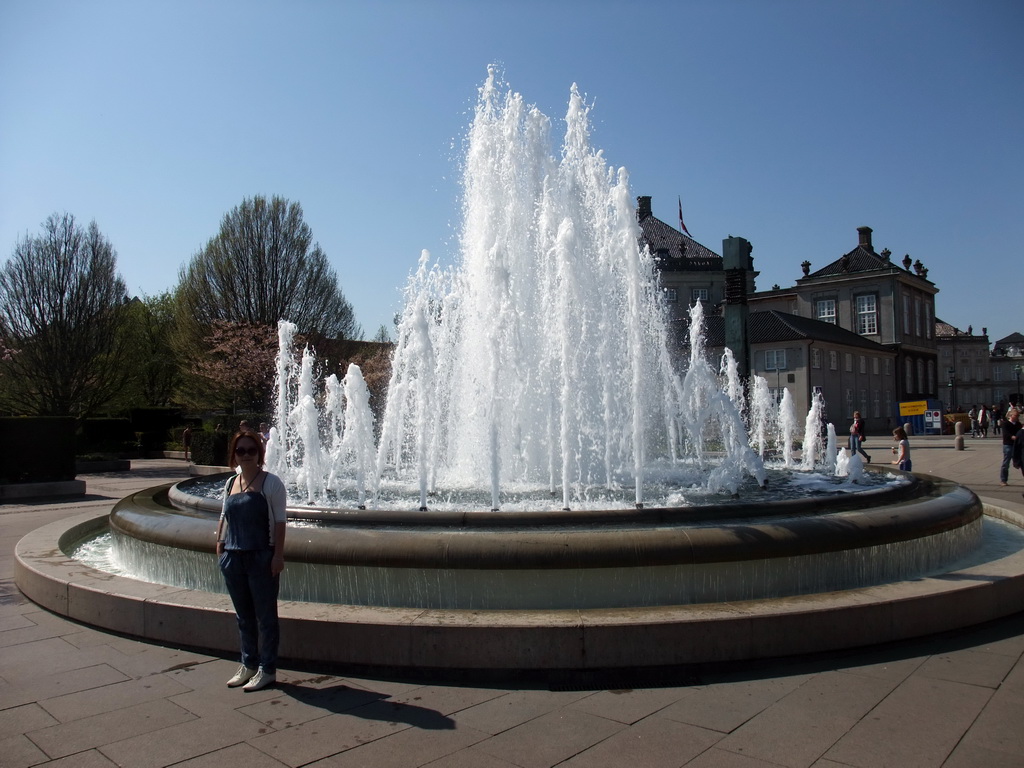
(965, 365)
(689, 272)
(866, 293)
(1007, 369)
(862, 330)
(809, 356)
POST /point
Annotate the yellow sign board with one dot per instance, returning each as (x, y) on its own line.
(916, 408)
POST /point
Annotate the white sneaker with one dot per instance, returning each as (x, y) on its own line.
(241, 677)
(260, 681)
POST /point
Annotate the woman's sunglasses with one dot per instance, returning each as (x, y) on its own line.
(242, 451)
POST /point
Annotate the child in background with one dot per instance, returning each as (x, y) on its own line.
(901, 449)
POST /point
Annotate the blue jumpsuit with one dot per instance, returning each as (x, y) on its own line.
(245, 563)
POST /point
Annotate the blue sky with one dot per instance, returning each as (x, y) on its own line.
(787, 122)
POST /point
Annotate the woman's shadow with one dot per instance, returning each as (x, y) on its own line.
(370, 705)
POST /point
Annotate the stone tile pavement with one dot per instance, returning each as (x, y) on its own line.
(74, 696)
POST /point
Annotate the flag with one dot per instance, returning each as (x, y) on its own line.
(682, 227)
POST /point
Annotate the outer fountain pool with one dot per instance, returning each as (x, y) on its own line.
(544, 560)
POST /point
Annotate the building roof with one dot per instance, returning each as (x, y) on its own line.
(860, 259)
(769, 326)
(864, 259)
(1013, 339)
(944, 330)
(673, 250)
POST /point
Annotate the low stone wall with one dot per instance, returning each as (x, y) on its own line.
(105, 465)
(21, 491)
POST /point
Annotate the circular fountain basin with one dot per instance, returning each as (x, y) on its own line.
(375, 636)
(479, 560)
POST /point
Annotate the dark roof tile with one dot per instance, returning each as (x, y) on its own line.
(673, 250)
(1013, 338)
(770, 326)
(860, 259)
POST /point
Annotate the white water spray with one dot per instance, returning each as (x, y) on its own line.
(541, 358)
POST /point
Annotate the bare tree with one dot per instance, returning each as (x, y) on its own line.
(61, 305)
(260, 268)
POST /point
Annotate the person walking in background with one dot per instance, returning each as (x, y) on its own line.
(250, 548)
(1010, 429)
(973, 416)
(983, 421)
(857, 436)
(901, 449)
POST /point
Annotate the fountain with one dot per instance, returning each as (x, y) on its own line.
(548, 487)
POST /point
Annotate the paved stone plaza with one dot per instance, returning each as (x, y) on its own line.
(74, 696)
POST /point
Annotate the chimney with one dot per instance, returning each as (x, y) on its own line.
(643, 207)
(864, 237)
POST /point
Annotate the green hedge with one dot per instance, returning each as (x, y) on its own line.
(146, 429)
(37, 449)
(210, 448)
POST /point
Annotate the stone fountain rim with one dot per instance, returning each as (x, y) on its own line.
(925, 507)
(388, 639)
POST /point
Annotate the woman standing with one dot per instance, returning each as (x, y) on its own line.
(250, 545)
(901, 449)
(857, 435)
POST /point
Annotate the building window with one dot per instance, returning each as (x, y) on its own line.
(997, 373)
(867, 315)
(877, 411)
(908, 375)
(833, 360)
(815, 358)
(775, 360)
(863, 364)
(825, 310)
(888, 366)
(671, 295)
(699, 294)
(932, 388)
(776, 393)
(849, 402)
(849, 362)
(917, 318)
(921, 385)
(906, 315)
(874, 365)
(928, 324)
